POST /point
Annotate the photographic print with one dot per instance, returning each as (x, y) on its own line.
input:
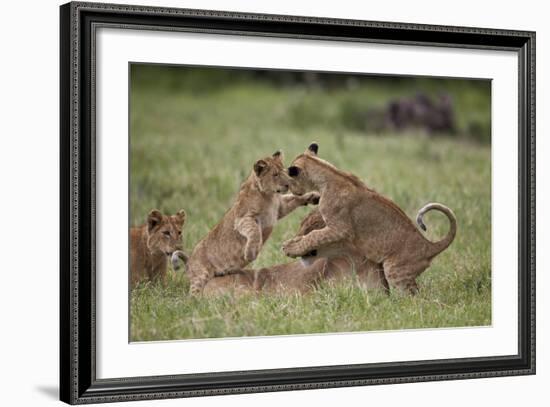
(269, 202)
(241, 192)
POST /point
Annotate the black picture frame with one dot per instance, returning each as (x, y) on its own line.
(78, 382)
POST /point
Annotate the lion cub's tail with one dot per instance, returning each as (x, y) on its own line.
(447, 240)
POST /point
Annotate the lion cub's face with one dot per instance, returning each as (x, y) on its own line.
(164, 232)
(298, 172)
(271, 174)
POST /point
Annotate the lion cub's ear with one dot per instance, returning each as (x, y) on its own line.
(259, 167)
(278, 155)
(180, 217)
(154, 219)
(313, 149)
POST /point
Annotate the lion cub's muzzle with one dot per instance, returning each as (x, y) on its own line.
(170, 253)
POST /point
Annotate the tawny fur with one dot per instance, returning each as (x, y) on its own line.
(287, 278)
(238, 238)
(152, 244)
(358, 216)
(302, 276)
(344, 261)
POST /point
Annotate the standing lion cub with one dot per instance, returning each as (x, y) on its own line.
(357, 215)
(152, 244)
(238, 238)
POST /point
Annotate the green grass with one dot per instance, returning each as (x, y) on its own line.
(192, 149)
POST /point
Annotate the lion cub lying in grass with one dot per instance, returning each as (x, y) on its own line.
(358, 216)
(238, 238)
(152, 244)
(302, 276)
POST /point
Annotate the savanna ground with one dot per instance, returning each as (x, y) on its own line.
(194, 137)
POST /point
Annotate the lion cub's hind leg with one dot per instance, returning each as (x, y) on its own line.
(403, 277)
(199, 275)
(374, 278)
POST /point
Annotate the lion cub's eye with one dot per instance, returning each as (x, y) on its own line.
(166, 233)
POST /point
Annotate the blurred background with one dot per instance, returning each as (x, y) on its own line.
(361, 103)
(195, 133)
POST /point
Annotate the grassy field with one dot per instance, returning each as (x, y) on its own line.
(191, 148)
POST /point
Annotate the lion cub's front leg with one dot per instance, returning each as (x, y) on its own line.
(301, 245)
(289, 202)
(250, 229)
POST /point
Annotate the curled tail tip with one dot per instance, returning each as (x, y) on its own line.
(448, 239)
(420, 223)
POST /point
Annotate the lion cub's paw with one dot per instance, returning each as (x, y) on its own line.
(292, 248)
(312, 198)
(177, 257)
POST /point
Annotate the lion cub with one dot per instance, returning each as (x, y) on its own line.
(289, 278)
(357, 215)
(238, 238)
(152, 244)
(303, 276)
